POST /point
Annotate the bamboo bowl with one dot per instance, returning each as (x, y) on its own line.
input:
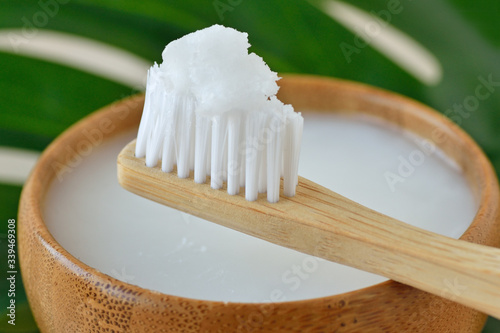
(67, 295)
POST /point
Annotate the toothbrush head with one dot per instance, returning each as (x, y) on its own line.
(211, 108)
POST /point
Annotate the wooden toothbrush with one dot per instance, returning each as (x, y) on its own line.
(201, 102)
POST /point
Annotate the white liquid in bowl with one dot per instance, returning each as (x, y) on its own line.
(155, 247)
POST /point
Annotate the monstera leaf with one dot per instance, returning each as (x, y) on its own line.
(444, 53)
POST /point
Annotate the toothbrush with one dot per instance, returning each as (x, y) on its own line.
(308, 217)
(211, 107)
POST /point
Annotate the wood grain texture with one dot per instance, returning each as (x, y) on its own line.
(68, 296)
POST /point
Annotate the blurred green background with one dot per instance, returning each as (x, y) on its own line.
(436, 51)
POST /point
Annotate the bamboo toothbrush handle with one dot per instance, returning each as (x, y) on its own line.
(323, 223)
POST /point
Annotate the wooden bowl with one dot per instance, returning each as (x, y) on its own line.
(67, 295)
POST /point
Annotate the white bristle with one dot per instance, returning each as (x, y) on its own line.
(274, 159)
(185, 134)
(241, 151)
(168, 157)
(201, 153)
(262, 181)
(211, 108)
(253, 155)
(146, 121)
(219, 129)
(233, 155)
(291, 151)
(157, 126)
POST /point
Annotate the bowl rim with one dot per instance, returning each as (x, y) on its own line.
(33, 194)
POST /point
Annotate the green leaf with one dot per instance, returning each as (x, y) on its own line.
(308, 40)
(24, 321)
(492, 326)
(9, 201)
(141, 27)
(42, 99)
(482, 15)
(467, 57)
